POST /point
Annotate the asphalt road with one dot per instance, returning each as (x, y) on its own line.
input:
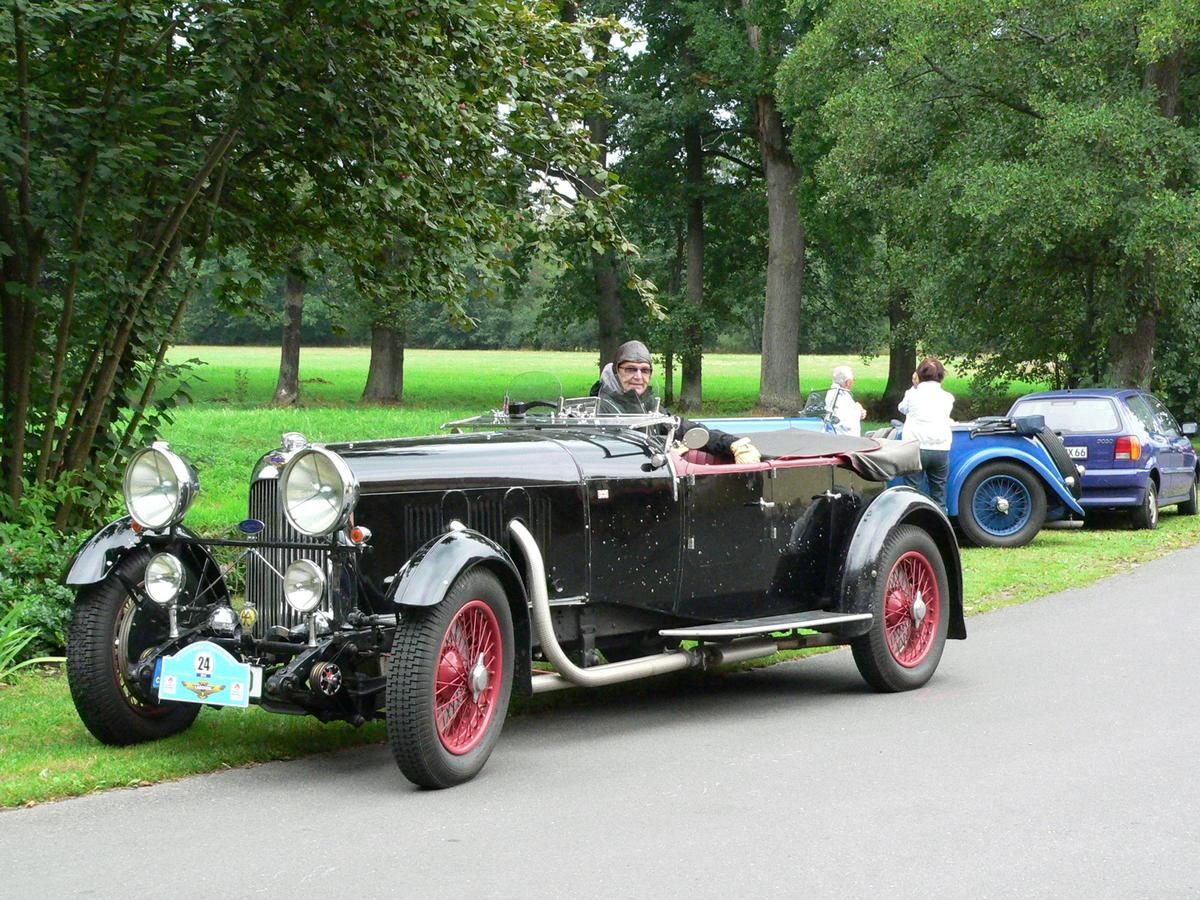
(1054, 754)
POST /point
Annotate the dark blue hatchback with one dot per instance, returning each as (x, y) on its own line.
(1135, 455)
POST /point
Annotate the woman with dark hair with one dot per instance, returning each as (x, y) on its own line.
(926, 407)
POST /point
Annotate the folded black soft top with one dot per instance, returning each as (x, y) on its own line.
(872, 458)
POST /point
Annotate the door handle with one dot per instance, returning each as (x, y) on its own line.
(763, 504)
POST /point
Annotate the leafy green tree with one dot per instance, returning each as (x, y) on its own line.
(1034, 167)
(138, 135)
(742, 44)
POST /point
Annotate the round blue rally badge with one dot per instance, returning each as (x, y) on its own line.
(251, 526)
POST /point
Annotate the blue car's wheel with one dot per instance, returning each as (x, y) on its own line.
(1002, 504)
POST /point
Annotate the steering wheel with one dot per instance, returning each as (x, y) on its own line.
(519, 409)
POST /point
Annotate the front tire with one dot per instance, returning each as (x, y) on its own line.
(1188, 506)
(1001, 505)
(109, 633)
(449, 681)
(1146, 515)
(910, 602)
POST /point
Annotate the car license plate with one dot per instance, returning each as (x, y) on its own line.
(205, 672)
(1077, 452)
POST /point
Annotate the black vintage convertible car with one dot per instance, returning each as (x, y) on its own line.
(543, 546)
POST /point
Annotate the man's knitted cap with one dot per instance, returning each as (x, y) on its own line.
(631, 351)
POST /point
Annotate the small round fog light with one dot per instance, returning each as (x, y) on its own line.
(164, 578)
(223, 621)
(303, 585)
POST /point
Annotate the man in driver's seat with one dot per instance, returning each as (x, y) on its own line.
(625, 384)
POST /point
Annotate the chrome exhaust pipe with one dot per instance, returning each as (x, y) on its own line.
(570, 675)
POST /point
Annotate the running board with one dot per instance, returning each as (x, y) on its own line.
(818, 619)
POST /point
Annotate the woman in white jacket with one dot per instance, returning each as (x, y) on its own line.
(926, 408)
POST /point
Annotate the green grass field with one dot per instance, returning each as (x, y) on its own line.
(451, 378)
(45, 753)
(232, 424)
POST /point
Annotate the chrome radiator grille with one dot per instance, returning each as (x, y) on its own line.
(264, 573)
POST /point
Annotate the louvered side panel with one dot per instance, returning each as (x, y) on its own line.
(542, 529)
(487, 517)
(422, 521)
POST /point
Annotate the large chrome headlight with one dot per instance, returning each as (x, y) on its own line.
(319, 491)
(159, 486)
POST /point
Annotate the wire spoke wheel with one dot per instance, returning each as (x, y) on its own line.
(1002, 505)
(109, 634)
(133, 636)
(912, 609)
(908, 601)
(449, 679)
(468, 677)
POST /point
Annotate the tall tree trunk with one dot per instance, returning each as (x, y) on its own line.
(902, 357)
(779, 381)
(674, 278)
(1132, 353)
(287, 389)
(385, 379)
(691, 390)
(779, 386)
(610, 317)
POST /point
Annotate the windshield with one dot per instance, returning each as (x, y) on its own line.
(535, 400)
(1072, 415)
(532, 393)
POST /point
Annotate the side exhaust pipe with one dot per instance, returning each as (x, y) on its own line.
(571, 675)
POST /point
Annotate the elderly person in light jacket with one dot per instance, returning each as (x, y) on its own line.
(840, 403)
(625, 384)
(926, 408)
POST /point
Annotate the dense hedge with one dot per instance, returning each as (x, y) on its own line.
(32, 557)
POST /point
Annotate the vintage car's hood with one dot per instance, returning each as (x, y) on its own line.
(458, 460)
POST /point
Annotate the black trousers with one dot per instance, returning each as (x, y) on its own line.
(936, 466)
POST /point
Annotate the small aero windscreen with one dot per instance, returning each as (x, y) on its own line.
(1073, 415)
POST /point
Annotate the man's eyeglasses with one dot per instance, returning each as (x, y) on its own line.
(636, 370)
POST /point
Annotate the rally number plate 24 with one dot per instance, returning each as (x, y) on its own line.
(207, 673)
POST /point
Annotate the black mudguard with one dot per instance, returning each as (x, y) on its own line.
(901, 506)
(426, 579)
(95, 558)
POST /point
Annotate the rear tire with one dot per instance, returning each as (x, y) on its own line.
(1188, 506)
(910, 601)
(108, 633)
(1146, 515)
(449, 680)
(1001, 505)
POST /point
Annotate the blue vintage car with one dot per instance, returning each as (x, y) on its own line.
(1135, 455)
(1008, 476)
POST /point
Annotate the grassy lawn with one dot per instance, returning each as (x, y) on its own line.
(232, 424)
(45, 752)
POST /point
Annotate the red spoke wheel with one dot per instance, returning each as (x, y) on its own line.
(908, 600)
(469, 673)
(911, 609)
(449, 681)
(109, 633)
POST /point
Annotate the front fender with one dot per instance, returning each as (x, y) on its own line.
(95, 558)
(426, 579)
(901, 506)
(1043, 468)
